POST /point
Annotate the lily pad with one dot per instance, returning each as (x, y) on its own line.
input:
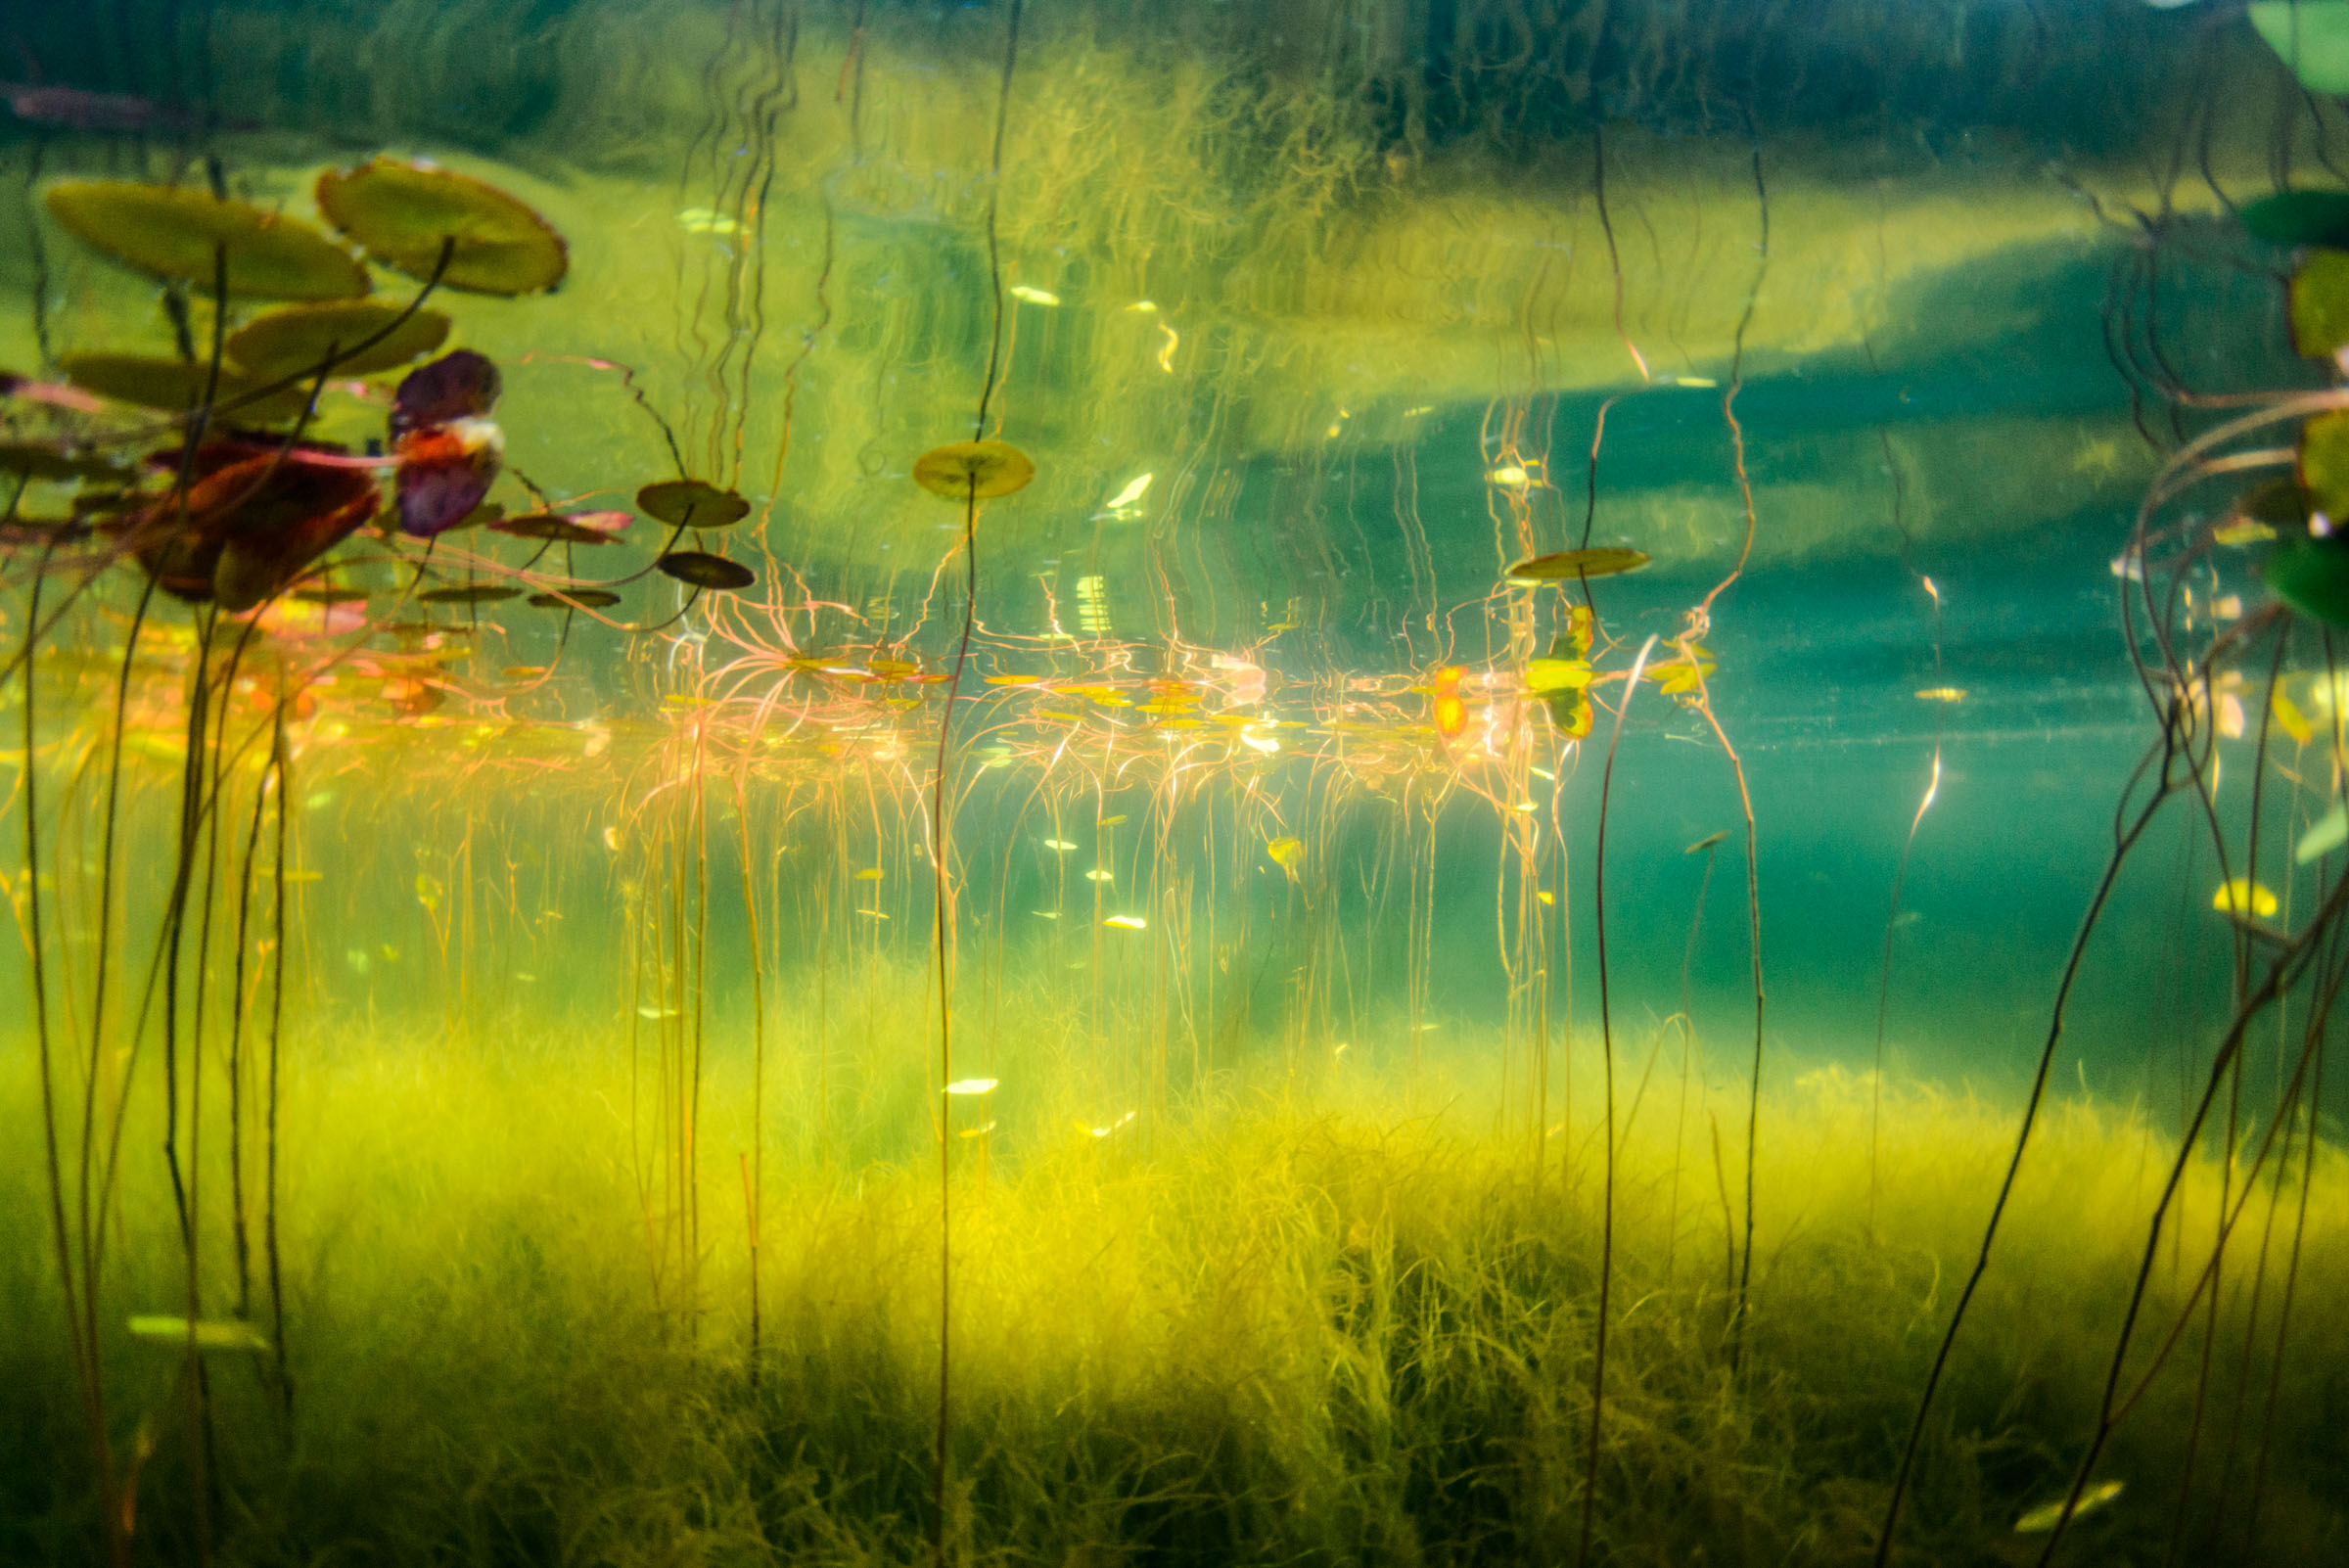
(973, 470)
(1568, 564)
(470, 593)
(2300, 218)
(2312, 576)
(405, 214)
(153, 381)
(2324, 466)
(179, 233)
(704, 570)
(690, 503)
(2311, 38)
(582, 598)
(2319, 305)
(35, 461)
(298, 340)
(573, 529)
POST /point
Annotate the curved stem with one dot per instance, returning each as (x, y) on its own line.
(1606, 1035)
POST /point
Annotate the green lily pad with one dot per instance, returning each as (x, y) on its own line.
(2312, 576)
(2319, 305)
(296, 340)
(2311, 38)
(2300, 218)
(470, 593)
(704, 570)
(2324, 463)
(690, 503)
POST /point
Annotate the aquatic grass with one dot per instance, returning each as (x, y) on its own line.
(1301, 1323)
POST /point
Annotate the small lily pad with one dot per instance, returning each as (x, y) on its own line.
(33, 460)
(1605, 561)
(705, 571)
(2323, 467)
(296, 340)
(973, 470)
(2311, 38)
(470, 593)
(586, 527)
(2312, 576)
(692, 504)
(2294, 218)
(2319, 305)
(582, 598)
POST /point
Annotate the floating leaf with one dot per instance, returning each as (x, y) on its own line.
(2296, 219)
(470, 593)
(153, 381)
(1604, 561)
(706, 571)
(585, 527)
(2312, 576)
(2319, 304)
(405, 214)
(691, 504)
(298, 340)
(32, 460)
(183, 235)
(1570, 710)
(2324, 463)
(584, 598)
(973, 470)
(2311, 38)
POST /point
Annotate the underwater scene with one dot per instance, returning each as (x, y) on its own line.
(1171, 782)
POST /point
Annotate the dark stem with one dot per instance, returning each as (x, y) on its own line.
(1606, 1034)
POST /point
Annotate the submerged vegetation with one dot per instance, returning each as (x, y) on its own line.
(603, 978)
